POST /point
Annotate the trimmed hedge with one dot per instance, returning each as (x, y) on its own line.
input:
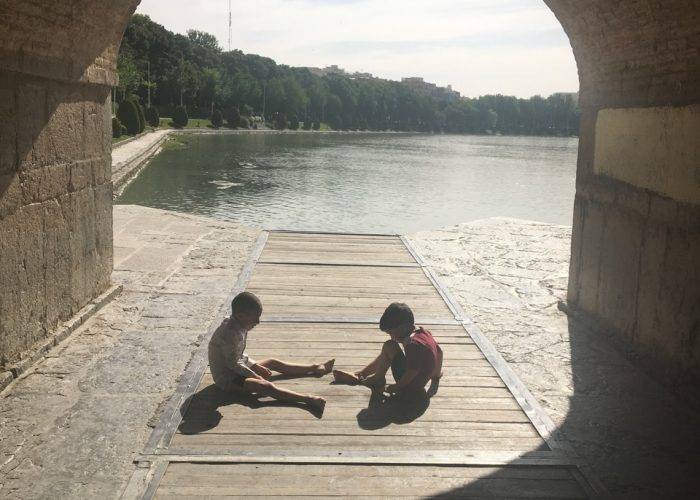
(128, 115)
(142, 116)
(217, 119)
(152, 116)
(294, 122)
(117, 127)
(180, 117)
(280, 121)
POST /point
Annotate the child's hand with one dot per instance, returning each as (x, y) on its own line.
(265, 373)
(391, 389)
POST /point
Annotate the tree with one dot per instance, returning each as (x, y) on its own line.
(129, 75)
(217, 119)
(129, 117)
(280, 121)
(180, 117)
(152, 116)
(210, 86)
(203, 39)
(141, 115)
(293, 122)
(233, 117)
(117, 127)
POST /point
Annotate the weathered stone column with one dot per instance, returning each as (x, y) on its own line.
(57, 65)
(635, 267)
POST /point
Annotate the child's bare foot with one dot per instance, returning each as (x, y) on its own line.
(342, 377)
(377, 381)
(325, 368)
(317, 405)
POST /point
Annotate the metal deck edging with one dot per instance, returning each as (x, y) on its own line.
(539, 418)
(171, 415)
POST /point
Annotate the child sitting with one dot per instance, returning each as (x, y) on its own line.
(412, 371)
(233, 371)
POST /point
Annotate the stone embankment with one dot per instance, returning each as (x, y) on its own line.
(130, 157)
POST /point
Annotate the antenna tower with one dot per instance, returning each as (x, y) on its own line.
(229, 25)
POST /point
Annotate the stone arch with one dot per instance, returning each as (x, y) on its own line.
(634, 267)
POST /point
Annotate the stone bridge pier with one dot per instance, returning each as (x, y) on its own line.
(635, 267)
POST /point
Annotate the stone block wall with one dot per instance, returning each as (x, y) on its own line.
(57, 65)
(635, 267)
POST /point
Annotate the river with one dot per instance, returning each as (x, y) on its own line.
(362, 182)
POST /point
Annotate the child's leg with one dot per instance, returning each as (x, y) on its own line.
(295, 369)
(265, 388)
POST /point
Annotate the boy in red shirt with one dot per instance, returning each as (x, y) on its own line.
(422, 361)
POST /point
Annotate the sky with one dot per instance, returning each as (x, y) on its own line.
(512, 47)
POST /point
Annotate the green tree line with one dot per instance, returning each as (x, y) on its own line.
(194, 71)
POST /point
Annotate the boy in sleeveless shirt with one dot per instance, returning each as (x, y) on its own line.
(414, 356)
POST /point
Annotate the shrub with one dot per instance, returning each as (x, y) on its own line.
(317, 125)
(246, 110)
(307, 124)
(180, 117)
(142, 116)
(280, 121)
(217, 119)
(117, 127)
(128, 115)
(152, 116)
(294, 122)
(233, 117)
(244, 122)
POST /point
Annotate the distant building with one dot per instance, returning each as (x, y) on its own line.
(334, 69)
(420, 86)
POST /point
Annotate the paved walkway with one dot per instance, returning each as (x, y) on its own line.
(71, 426)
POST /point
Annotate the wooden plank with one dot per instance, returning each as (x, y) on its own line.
(258, 442)
(358, 319)
(377, 457)
(214, 471)
(312, 480)
(459, 430)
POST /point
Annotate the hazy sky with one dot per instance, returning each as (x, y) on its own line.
(512, 47)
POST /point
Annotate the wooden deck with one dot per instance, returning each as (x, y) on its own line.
(482, 435)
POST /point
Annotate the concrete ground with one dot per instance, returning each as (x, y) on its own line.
(508, 275)
(71, 426)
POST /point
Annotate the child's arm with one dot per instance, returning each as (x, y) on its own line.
(408, 376)
(438, 367)
(435, 379)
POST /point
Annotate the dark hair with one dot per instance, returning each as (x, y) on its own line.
(396, 314)
(244, 302)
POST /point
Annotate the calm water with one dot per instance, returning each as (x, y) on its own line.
(362, 182)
